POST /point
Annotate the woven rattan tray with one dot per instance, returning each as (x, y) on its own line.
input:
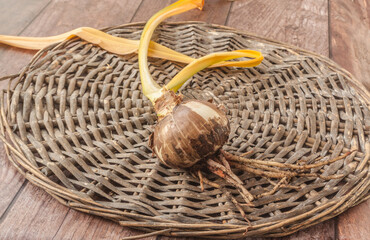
(76, 124)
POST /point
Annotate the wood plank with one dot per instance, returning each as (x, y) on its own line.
(302, 23)
(34, 215)
(14, 18)
(12, 60)
(10, 182)
(324, 230)
(78, 225)
(33, 207)
(62, 16)
(354, 223)
(350, 34)
(214, 11)
(349, 47)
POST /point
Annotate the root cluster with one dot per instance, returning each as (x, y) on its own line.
(270, 170)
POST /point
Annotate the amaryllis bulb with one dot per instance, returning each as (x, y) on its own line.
(189, 132)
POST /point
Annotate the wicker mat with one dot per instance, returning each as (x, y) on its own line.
(76, 124)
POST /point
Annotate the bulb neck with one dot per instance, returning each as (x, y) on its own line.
(165, 104)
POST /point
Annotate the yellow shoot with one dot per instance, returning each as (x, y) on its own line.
(108, 42)
(150, 88)
(211, 59)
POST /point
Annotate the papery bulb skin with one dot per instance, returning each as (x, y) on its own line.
(192, 131)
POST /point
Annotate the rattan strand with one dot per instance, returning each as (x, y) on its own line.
(76, 124)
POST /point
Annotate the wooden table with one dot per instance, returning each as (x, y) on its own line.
(339, 29)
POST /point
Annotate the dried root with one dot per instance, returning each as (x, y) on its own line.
(224, 191)
(278, 170)
(276, 187)
(224, 171)
(220, 166)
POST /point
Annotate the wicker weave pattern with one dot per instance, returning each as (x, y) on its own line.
(79, 124)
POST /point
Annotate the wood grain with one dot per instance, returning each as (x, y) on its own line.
(350, 45)
(354, 223)
(14, 18)
(62, 16)
(77, 225)
(350, 37)
(214, 11)
(34, 215)
(302, 23)
(322, 231)
(10, 182)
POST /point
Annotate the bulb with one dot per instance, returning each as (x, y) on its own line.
(191, 131)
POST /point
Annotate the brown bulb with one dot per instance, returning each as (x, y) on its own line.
(193, 131)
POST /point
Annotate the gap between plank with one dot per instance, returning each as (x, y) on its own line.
(56, 233)
(329, 31)
(336, 230)
(9, 207)
(228, 13)
(137, 9)
(33, 19)
(16, 196)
